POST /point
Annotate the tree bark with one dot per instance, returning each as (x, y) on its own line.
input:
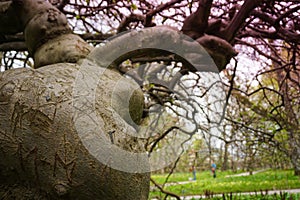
(239, 19)
(195, 24)
(225, 161)
(40, 147)
(290, 121)
(9, 22)
(48, 36)
(41, 150)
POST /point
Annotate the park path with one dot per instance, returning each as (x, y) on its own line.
(246, 173)
(228, 176)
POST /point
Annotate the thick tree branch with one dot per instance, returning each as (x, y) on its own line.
(13, 46)
(46, 32)
(17, 42)
(195, 24)
(286, 14)
(128, 19)
(239, 19)
(283, 33)
(9, 22)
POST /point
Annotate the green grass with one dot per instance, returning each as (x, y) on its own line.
(258, 197)
(268, 180)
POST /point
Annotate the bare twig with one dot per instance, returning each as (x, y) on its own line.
(163, 190)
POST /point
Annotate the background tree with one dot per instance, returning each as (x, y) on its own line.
(271, 108)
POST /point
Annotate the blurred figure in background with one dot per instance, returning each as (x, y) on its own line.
(213, 168)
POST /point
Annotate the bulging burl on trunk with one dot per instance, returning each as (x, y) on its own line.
(220, 50)
(39, 144)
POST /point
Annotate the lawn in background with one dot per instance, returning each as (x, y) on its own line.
(267, 180)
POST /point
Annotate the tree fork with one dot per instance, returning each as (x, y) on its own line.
(47, 34)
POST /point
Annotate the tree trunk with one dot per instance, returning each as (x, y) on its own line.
(42, 154)
(295, 151)
(40, 146)
(290, 121)
(296, 164)
(225, 161)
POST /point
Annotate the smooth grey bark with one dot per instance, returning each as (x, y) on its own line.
(39, 144)
(40, 149)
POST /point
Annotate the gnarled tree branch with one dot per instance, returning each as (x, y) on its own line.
(239, 19)
(195, 24)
